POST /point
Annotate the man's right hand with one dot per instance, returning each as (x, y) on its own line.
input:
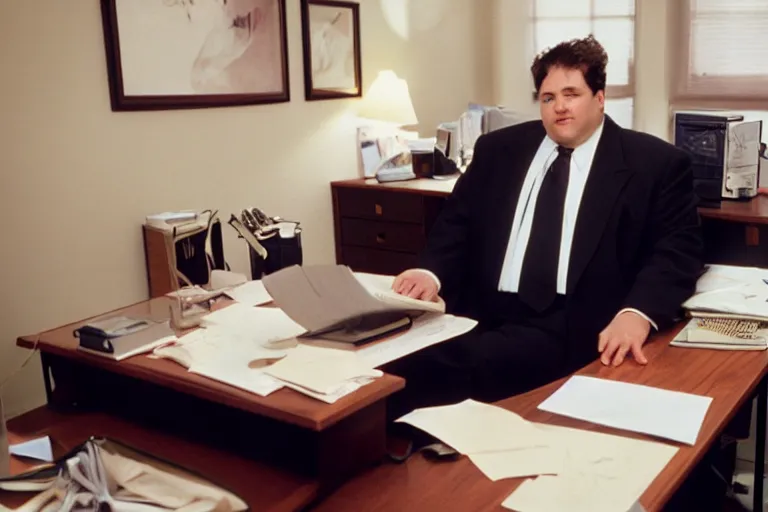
(416, 284)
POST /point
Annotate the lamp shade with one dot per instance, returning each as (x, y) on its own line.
(388, 100)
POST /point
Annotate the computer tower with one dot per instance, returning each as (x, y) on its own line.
(724, 153)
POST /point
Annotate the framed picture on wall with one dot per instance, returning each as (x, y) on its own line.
(172, 54)
(331, 41)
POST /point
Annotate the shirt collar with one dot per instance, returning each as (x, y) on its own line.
(582, 155)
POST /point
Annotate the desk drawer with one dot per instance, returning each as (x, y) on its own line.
(374, 261)
(380, 204)
(390, 236)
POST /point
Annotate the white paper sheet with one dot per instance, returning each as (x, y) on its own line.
(745, 299)
(321, 370)
(720, 277)
(667, 414)
(265, 325)
(574, 493)
(601, 473)
(471, 427)
(39, 449)
(251, 293)
(635, 462)
(540, 460)
(428, 329)
(236, 372)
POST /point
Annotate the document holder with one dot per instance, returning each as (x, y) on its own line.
(105, 474)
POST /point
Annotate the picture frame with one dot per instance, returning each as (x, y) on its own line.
(179, 54)
(331, 44)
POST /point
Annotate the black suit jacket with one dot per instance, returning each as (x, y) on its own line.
(637, 240)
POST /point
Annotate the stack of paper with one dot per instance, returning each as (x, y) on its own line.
(574, 469)
(729, 310)
(323, 373)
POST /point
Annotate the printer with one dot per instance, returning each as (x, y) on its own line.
(725, 153)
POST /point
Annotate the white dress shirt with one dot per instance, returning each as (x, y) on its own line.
(581, 163)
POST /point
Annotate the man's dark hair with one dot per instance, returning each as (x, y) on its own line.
(585, 54)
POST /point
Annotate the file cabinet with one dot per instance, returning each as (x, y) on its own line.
(382, 228)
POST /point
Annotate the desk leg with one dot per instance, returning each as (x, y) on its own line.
(762, 405)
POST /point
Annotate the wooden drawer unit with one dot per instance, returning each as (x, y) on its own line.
(382, 228)
(391, 236)
(380, 204)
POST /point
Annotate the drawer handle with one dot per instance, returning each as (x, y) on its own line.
(378, 209)
(381, 238)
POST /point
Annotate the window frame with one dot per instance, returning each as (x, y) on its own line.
(611, 91)
(695, 92)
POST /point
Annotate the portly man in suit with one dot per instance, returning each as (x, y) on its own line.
(566, 238)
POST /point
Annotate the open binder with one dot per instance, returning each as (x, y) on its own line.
(332, 303)
(103, 474)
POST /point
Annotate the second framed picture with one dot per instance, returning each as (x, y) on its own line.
(331, 40)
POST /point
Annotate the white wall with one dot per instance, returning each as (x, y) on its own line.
(78, 179)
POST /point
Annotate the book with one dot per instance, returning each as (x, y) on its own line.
(331, 302)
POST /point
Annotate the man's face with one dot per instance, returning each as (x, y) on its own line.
(569, 110)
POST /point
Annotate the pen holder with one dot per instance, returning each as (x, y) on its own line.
(5, 456)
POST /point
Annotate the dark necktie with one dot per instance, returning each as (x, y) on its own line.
(538, 277)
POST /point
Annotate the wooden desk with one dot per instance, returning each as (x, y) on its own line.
(381, 227)
(730, 378)
(737, 232)
(328, 443)
(264, 488)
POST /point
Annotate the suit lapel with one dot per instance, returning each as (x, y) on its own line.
(607, 177)
(517, 156)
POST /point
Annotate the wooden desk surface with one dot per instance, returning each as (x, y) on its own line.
(262, 487)
(754, 211)
(729, 377)
(421, 186)
(284, 405)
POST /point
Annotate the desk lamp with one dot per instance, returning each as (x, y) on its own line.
(388, 107)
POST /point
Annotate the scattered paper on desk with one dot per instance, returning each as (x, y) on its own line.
(574, 493)
(648, 410)
(320, 370)
(722, 277)
(636, 462)
(251, 293)
(600, 472)
(539, 460)
(427, 330)
(745, 299)
(471, 427)
(39, 449)
(236, 372)
(267, 325)
(336, 393)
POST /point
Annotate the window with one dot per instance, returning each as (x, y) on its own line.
(612, 22)
(723, 59)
